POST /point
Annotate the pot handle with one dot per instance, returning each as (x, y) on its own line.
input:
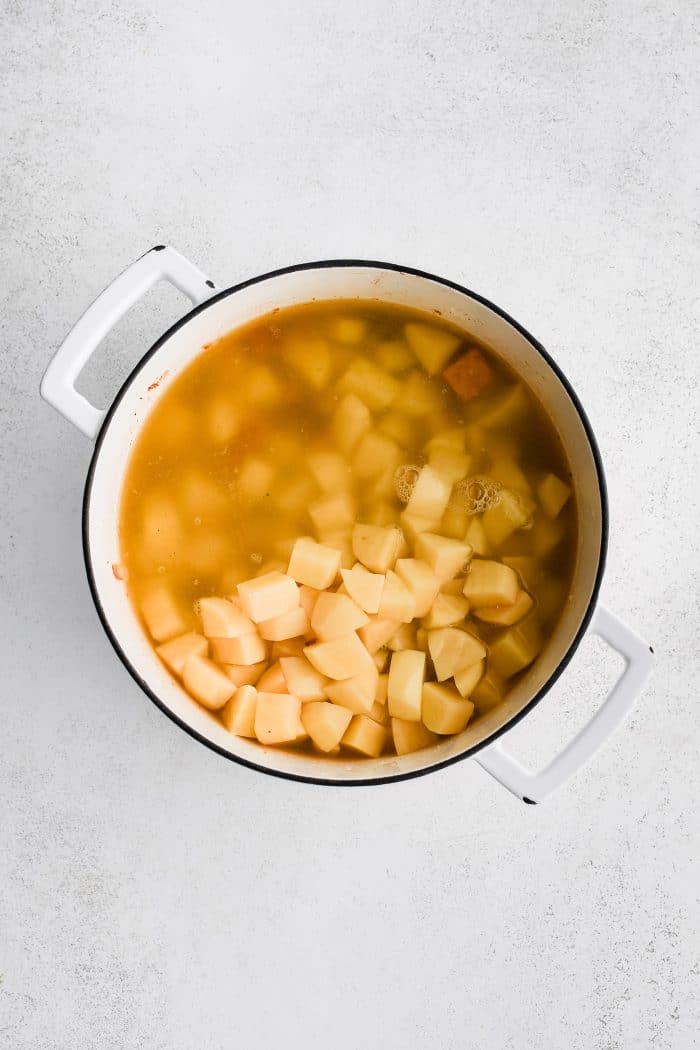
(58, 383)
(535, 787)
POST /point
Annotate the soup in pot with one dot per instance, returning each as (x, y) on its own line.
(348, 527)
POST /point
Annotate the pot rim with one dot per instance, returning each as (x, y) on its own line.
(558, 670)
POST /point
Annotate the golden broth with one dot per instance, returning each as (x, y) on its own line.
(260, 441)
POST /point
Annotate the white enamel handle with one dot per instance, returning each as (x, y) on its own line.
(158, 264)
(535, 787)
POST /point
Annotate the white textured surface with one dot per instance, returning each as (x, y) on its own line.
(156, 896)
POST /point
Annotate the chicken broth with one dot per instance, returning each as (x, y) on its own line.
(348, 527)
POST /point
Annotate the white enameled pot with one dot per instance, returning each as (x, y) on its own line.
(217, 312)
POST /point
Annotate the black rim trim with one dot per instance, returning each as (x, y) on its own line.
(561, 666)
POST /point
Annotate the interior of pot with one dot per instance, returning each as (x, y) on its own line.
(237, 307)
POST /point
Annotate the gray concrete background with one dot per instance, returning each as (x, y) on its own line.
(153, 895)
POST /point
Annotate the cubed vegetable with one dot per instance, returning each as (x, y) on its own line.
(278, 719)
(162, 613)
(490, 583)
(365, 736)
(364, 587)
(339, 658)
(488, 693)
(444, 710)
(330, 470)
(393, 355)
(506, 615)
(411, 736)
(503, 518)
(406, 675)
(413, 525)
(311, 358)
(254, 480)
(239, 713)
(240, 675)
(432, 346)
(352, 419)
(377, 633)
(552, 494)
(266, 596)
(273, 680)
(335, 615)
(452, 649)
(397, 602)
(357, 693)
(476, 537)
(222, 619)
(175, 652)
(377, 388)
(289, 625)
(206, 682)
(430, 495)
(332, 511)
(467, 679)
(421, 582)
(325, 723)
(302, 679)
(376, 547)
(247, 650)
(514, 650)
(375, 454)
(451, 463)
(404, 637)
(446, 610)
(445, 556)
(419, 397)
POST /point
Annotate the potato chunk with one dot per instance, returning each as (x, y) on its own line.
(502, 519)
(364, 587)
(351, 421)
(273, 680)
(411, 736)
(241, 675)
(406, 674)
(432, 346)
(468, 678)
(404, 637)
(332, 511)
(430, 495)
(446, 611)
(375, 454)
(451, 649)
(469, 374)
(476, 537)
(330, 470)
(506, 615)
(247, 650)
(373, 385)
(312, 359)
(377, 633)
(278, 719)
(222, 619)
(376, 547)
(365, 736)
(339, 658)
(325, 723)
(287, 647)
(162, 613)
(239, 714)
(446, 557)
(175, 652)
(335, 615)
(488, 692)
(490, 583)
(451, 463)
(348, 329)
(514, 650)
(270, 595)
(552, 494)
(302, 679)
(397, 602)
(358, 693)
(413, 525)
(289, 625)
(444, 710)
(206, 682)
(421, 582)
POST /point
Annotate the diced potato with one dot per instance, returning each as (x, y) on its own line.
(450, 437)
(364, 587)
(223, 420)
(381, 659)
(399, 427)
(175, 652)
(379, 512)
(413, 525)
(382, 690)
(356, 694)
(377, 388)
(505, 409)
(262, 388)
(406, 675)
(254, 480)
(397, 602)
(430, 495)
(444, 710)
(278, 719)
(351, 421)
(239, 713)
(335, 615)
(411, 736)
(340, 540)
(241, 675)
(293, 492)
(454, 587)
(162, 529)
(446, 610)
(206, 682)
(325, 723)
(508, 473)
(432, 346)
(222, 619)
(162, 613)
(308, 597)
(451, 463)
(506, 615)
(289, 625)
(490, 583)
(476, 537)
(504, 517)
(376, 547)
(455, 522)
(271, 566)
(302, 679)
(552, 494)
(330, 470)
(201, 495)
(452, 649)
(332, 511)
(247, 650)
(421, 582)
(288, 647)
(205, 552)
(514, 650)
(446, 557)
(270, 595)
(348, 329)
(312, 359)
(393, 355)
(273, 680)
(488, 693)
(528, 569)
(467, 678)
(379, 713)
(365, 736)
(422, 636)
(546, 534)
(375, 454)
(469, 374)
(339, 658)
(418, 396)
(377, 633)
(403, 638)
